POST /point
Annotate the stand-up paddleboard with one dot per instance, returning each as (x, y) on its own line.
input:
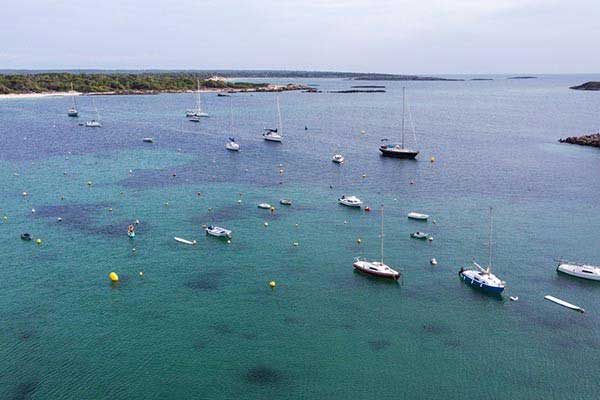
(564, 304)
(184, 241)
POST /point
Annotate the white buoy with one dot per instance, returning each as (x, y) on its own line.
(433, 261)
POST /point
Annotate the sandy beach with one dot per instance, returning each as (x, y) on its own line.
(15, 96)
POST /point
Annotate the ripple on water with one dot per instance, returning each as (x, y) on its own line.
(379, 344)
(25, 390)
(206, 282)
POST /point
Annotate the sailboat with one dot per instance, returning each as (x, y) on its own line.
(231, 145)
(397, 150)
(197, 112)
(72, 112)
(482, 278)
(376, 268)
(275, 135)
(94, 123)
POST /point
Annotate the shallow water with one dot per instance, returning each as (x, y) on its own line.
(202, 322)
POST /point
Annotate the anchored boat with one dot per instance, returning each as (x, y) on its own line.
(397, 150)
(275, 135)
(376, 268)
(350, 201)
(218, 231)
(582, 271)
(482, 278)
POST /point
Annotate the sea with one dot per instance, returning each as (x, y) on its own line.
(203, 322)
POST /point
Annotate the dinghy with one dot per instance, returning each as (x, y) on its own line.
(419, 235)
(579, 270)
(264, 206)
(418, 216)
(218, 231)
(148, 140)
(285, 202)
(184, 241)
(26, 236)
(564, 303)
(337, 158)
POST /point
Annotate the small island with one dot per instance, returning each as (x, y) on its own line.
(592, 140)
(358, 91)
(592, 85)
(522, 77)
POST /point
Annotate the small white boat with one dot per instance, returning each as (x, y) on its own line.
(433, 261)
(148, 140)
(579, 270)
(350, 201)
(72, 112)
(265, 206)
(337, 158)
(418, 216)
(184, 241)
(564, 303)
(285, 202)
(232, 145)
(218, 231)
(419, 235)
(514, 298)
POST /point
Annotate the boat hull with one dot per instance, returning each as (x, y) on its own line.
(393, 153)
(386, 275)
(577, 271)
(479, 285)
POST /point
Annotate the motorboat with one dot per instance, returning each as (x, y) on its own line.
(285, 202)
(218, 231)
(482, 278)
(350, 201)
(93, 124)
(418, 216)
(148, 140)
(337, 158)
(582, 271)
(232, 145)
(265, 206)
(419, 235)
(376, 268)
(397, 150)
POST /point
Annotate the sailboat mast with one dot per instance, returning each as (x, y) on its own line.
(198, 104)
(490, 242)
(230, 115)
(280, 127)
(382, 233)
(73, 95)
(403, 107)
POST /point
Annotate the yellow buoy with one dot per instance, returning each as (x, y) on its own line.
(266, 224)
(5, 217)
(113, 277)
(229, 242)
(39, 241)
(358, 241)
(141, 273)
(89, 183)
(167, 204)
(432, 159)
(272, 209)
(272, 284)
(296, 244)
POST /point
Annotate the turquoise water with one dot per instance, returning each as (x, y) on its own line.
(202, 321)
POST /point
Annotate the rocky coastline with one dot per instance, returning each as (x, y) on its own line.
(587, 86)
(592, 140)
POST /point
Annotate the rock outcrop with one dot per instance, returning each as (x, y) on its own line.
(587, 140)
(587, 86)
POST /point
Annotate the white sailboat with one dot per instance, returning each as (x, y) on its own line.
(72, 112)
(376, 268)
(94, 123)
(275, 135)
(197, 112)
(231, 145)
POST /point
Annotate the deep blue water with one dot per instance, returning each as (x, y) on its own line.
(202, 322)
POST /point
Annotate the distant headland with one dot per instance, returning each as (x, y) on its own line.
(587, 86)
(155, 81)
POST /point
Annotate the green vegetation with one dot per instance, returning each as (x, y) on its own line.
(113, 82)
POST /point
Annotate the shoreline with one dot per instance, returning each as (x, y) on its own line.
(268, 88)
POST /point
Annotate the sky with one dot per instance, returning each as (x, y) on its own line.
(392, 36)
